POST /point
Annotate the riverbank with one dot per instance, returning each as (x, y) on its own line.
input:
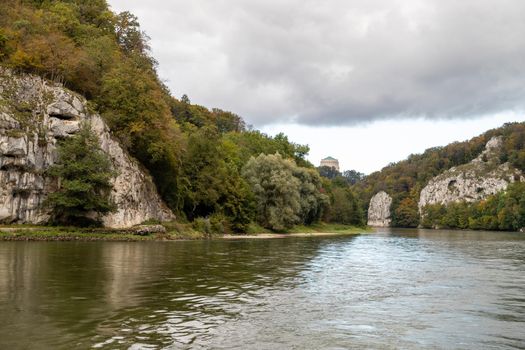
(173, 233)
(288, 235)
(316, 230)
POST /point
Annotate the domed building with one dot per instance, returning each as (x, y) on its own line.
(330, 162)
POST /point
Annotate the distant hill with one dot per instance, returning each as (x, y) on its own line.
(404, 181)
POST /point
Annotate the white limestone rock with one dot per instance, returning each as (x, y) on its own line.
(474, 181)
(379, 210)
(34, 115)
(60, 128)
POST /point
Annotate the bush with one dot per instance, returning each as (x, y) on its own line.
(216, 224)
(202, 225)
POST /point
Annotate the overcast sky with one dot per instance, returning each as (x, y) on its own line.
(366, 81)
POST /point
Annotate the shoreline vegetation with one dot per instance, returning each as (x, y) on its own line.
(211, 169)
(174, 232)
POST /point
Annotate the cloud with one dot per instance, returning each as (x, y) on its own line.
(340, 62)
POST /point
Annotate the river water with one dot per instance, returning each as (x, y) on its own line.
(404, 289)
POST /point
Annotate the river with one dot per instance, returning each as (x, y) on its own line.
(400, 289)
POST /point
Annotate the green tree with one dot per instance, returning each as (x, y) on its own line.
(285, 194)
(252, 143)
(406, 214)
(312, 201)
(210, 182)
(276, 190)
(136, 109)
(328, 172)
(353, 176)
(431, 215)
(345, 207)
(129, 36)
(227, 121)
(83, 173)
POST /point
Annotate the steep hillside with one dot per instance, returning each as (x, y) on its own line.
(484, 176)
(469, 172)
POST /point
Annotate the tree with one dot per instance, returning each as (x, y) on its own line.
(238, 205)
(84, 173)
(345, 208)
(210, 182)
(276, 190)
(129, 36)
(328, 172)
(285, 194)
(431, 215)
(252, 143)
(228, 121)
(406, 214)
(136, 110)
(353, 176)
(312, 201)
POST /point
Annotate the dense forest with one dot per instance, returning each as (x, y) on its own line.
(207, 164)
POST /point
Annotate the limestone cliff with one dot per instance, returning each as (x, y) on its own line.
(473, 181)
(379, 210)
(34, 115)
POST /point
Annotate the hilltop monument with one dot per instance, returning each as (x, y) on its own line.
(330, 162)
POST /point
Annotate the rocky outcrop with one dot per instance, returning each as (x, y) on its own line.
(34, 115)
(474, 181)
(379, 210)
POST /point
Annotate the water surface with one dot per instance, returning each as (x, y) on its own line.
(391, 290)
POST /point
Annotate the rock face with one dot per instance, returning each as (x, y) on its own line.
(34, 115)
(379, 210)
(473, 181)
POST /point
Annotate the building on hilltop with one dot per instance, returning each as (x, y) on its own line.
(330, 162)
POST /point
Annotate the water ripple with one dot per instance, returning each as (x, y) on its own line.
(393, 290)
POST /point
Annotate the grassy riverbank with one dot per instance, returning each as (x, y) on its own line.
(174, 231)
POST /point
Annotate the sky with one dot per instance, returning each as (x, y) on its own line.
(365, 81)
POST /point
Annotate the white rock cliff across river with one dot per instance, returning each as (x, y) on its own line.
(474, 181)
(379, 210)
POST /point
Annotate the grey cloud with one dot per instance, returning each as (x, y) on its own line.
(341, 62)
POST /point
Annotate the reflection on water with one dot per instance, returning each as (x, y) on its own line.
(394, 289)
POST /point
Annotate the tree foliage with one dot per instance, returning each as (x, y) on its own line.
(83, 173)
(276, 191)
(345, 207)
(312, 201)
(252, 143)
(285, 194)
(328, 172)
(352, 177)
(406, 213)
(210, 182)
